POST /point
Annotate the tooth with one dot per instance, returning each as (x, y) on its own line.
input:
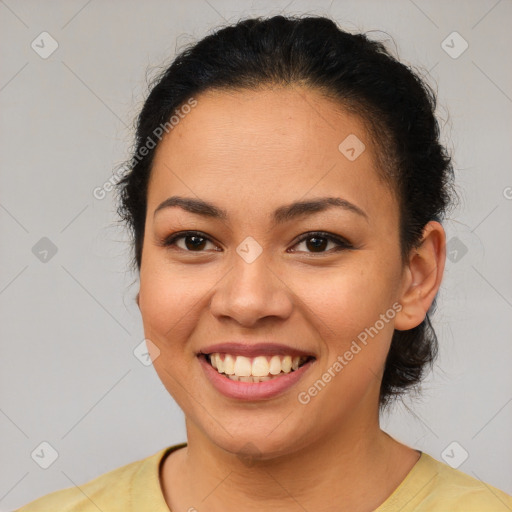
(244, 378)
(275, 365)
(229, 365)
(260, 366)
(286, 364)
(220, 364)
(233, 377)
(242, 366)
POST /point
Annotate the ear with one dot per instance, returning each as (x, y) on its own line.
(137, 299)
(422, 277)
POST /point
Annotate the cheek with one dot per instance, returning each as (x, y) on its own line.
(351, 309)
(347, 299)
(347, 316)
(167, 307)
(167, 304)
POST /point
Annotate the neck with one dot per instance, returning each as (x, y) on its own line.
(352, 469)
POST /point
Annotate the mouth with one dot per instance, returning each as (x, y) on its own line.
(254, 371)
(261, 368)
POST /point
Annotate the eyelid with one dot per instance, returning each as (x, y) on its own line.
(341, 242)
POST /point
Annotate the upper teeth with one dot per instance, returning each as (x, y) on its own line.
(260, 366)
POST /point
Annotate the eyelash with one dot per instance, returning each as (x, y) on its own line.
(342, 244)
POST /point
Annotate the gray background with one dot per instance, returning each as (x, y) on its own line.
(69, 325)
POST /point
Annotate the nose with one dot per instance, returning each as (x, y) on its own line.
(251, 292)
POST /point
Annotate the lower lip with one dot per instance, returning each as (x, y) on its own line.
(252, 390)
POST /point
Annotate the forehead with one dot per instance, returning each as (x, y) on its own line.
(268, 147)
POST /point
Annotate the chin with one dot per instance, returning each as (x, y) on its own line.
(267, 437)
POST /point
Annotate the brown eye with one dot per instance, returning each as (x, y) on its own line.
(193, 242)
(318, 242)
(314, 242)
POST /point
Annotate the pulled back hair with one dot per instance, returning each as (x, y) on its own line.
(397, 106)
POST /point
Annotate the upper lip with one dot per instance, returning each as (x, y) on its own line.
(254, 349)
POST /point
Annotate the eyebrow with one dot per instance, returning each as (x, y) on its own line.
(281, 215)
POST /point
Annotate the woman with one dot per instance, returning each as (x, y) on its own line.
(285, 198)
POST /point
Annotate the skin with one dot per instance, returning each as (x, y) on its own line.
(250, 152)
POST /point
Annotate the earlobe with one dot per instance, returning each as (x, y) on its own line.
(422, 277)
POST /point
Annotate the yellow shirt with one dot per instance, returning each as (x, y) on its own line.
(135, 487)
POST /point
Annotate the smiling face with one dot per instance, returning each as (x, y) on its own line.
(249, 275)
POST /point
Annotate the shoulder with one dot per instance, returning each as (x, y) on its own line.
(434, 486)
(466, 493)
(110, 491)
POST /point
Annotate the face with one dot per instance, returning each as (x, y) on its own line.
(260, 280)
